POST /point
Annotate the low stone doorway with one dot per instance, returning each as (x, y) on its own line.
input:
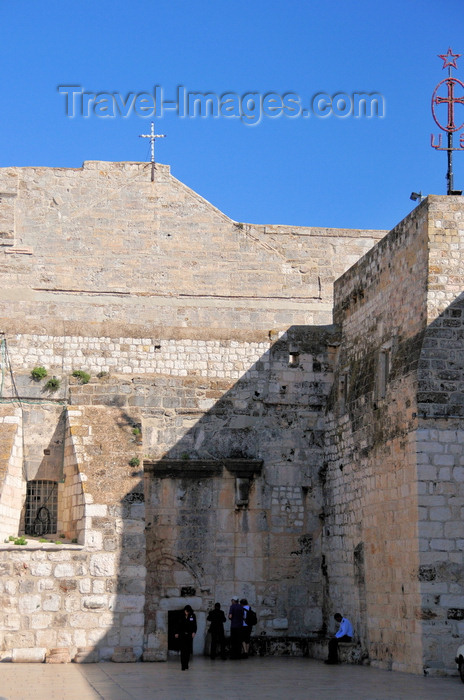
(173, 617)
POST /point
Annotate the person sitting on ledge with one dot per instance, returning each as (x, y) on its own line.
(343, 634)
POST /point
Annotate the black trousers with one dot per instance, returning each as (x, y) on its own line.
(333, 647)
(235, 642)
(217, 642)
(185, 643)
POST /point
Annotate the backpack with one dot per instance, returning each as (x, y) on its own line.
(251, 620)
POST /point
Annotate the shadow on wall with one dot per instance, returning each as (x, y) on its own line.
(395, 467)
(229, 503)
(233, 501)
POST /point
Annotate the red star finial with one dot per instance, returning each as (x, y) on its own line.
(449, 59)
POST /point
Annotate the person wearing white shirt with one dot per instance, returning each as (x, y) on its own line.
(343, 634)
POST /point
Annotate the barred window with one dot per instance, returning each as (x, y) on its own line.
(41, 507)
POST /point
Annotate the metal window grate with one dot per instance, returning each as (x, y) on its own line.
(41, 507)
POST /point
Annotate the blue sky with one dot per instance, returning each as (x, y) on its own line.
(329, 171)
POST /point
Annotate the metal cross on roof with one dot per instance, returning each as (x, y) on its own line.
(451, 100)
(152, 136)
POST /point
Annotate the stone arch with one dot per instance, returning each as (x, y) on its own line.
(172, 583)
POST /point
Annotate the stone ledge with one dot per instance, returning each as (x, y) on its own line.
(311, 647)
(28, 655)
(266, 645)
(34, 545)
(349, 652)
(191, 468)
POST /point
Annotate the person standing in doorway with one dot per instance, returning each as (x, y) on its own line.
(185, 634)
(217, 618)
(236, 625)
(343, 634)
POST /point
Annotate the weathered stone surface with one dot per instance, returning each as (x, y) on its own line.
(86, 655)
(210, 344)
(124, 655)
(102, 565)
(58, 656)
(28, 655)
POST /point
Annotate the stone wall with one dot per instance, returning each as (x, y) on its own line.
(65, 596)
(86, 597)
(370, 533)
(205, 357)
(266, 548)
(310, 468)
(441, 538)
(440, 439)
(12, 486)
(394, 478)
(97, 250)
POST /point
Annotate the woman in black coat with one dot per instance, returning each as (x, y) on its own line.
(217, 619)
(185, 633)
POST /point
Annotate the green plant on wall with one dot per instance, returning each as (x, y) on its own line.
(53, 384)
(20, 541)
(82, 376)
(38, 373)
(134, 462)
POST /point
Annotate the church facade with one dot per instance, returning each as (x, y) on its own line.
(194, 408)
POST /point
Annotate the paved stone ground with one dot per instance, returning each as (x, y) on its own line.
(270, 678)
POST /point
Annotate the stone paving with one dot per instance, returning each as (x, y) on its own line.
(270, 678)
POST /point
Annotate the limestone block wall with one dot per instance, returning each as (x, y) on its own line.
(203, 547)
(446, 229)
(102, 246)
(441, 539)
(255, 397)
(222, 357)
(320, 254)
(91, 594)
(372, 503)
(12, 486)
(441, 364)
(440, 446)
(43, 439)
(272, 413)
(68, 596)
(194, 329)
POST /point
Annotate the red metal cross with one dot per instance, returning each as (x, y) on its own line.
(450, 100)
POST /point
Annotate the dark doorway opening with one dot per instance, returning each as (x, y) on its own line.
(174, 619)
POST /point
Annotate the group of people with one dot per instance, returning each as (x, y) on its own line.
(242, 619)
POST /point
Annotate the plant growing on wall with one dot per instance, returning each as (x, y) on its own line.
(53, 384)
(134, 462)
(82, 376)
(38, 373)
